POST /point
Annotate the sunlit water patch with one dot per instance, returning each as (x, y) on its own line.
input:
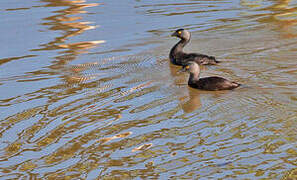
(87, 91)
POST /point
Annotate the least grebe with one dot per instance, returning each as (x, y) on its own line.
(208, 83)
(178, 57)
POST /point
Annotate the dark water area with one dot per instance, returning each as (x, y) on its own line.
(87, 90)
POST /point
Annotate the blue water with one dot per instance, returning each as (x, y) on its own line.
(87, 90)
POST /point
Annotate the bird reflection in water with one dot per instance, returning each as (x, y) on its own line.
(192, 98)
(193, 101)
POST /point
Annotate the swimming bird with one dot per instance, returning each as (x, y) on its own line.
(208, 83)
(178, 57)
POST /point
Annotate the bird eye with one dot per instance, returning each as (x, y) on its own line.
(187, 67)
(179, 32)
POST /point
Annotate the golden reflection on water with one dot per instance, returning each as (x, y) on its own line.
(134, 116)
(281, 15)
(142, 147)
(63, 21)
(122, 135)
(193, 101)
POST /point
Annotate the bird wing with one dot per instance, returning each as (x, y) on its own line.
(200, 58)
(216, 83)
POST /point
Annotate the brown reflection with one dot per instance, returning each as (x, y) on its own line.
(61, 22)
(291, 175)
(76, 75)
(28, 166)
(71, 24)
(138, 87)
(193, 95)
(194, 101)
(6, 60)
(122, 135)
(180, 78)
(13, 148)
(283, 16)
(77, 79)
(80, 47)
(190, 101)
(142, 147)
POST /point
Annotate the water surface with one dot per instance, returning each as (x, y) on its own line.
(87, 91)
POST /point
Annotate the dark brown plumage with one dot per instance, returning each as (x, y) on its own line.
(208, 83)
(178, 57)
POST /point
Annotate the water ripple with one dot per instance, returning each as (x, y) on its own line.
(77, 108)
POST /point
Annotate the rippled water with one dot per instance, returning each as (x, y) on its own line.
(87, 91)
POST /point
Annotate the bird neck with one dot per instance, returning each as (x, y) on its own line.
(194, 76)
(177, 52)
(179, 46)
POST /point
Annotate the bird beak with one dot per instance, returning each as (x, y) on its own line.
(174, 34)
(183, 69)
